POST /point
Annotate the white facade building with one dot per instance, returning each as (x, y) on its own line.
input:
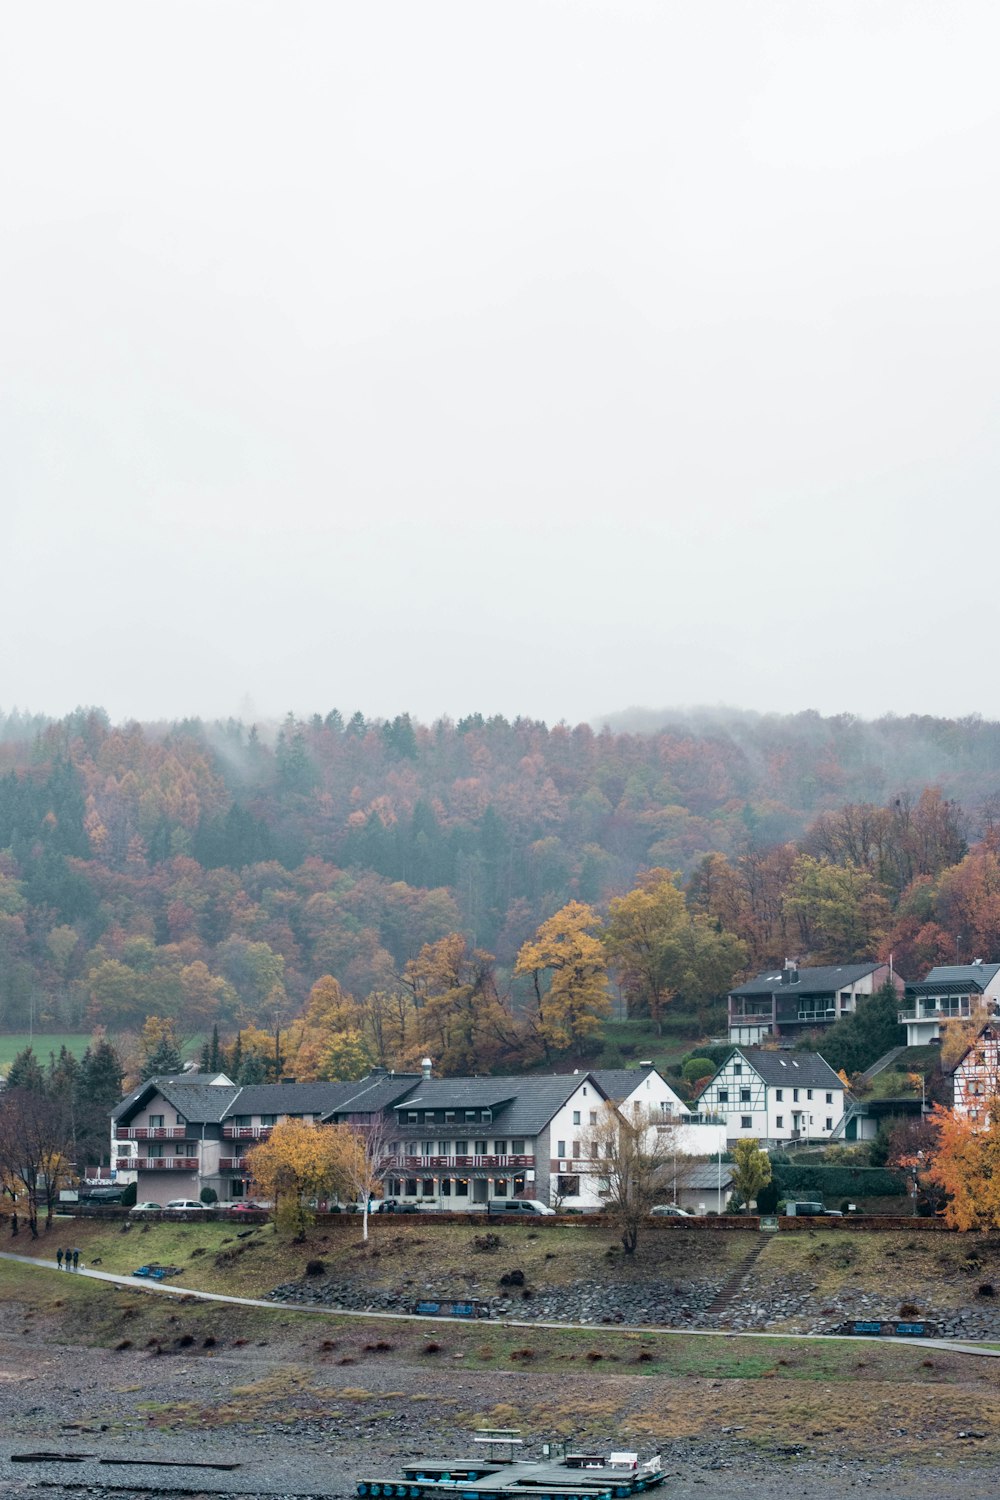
(775, 1097)
(950, 992)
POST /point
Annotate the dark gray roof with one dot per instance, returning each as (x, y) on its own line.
(376, 1093)
(824, 981)
(290, 1098)
(521, 1105)
(618, 1083)
(200, 1103)
(801, 1069)
(703, 1176)
(955, 979)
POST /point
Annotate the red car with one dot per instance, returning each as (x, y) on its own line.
(249, 1207)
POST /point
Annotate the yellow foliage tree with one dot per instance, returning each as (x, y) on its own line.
(966, 1164)
(575, 1005)
(299, 1163)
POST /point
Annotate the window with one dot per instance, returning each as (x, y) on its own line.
(829, 1122)
(829, 1098)
(154, 1150)
(738, 1069)
(809, 1093)
(179, 1120)
(156, 1122)
(411, 1187)
(795, 1096)
(479, 1148)
(744, 1096)
(500, 1188)
(445, 1187)
(411, 1117)
(427, 1187)
(595, 1150)
(517, 1148)
(567, 1187)
(499, 1148)
(779, 1123)
(576, 1150)
(461, 1148)
(779, 1095)
(746, 1122)
(560, 1148)
(593, 1117)
(449, 1115)
(585, 1091)
(576, 1117)
(470, 1115)
(444, 1148)
(269, 1119)
(426, 1148)
(461, 1187)
(723, 1096)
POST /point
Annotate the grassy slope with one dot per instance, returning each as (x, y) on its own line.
(42, 1044)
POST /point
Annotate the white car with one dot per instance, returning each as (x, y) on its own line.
(147, 1208)
(672, 1210)
(185, 1205)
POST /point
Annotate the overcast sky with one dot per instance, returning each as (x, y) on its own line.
(537, 357)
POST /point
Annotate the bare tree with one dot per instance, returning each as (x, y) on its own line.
(634, 1153)
(35, 1135)
(362, 1162)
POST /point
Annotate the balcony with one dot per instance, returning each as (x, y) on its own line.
(232, 1164)
(459, 1163)
(933, 1015)
(246, 1132)
(157, 1163)
(143, 1133)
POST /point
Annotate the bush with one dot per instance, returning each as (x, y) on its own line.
(697, 1067)
(767, 1198)
(832, 1183)
(315, 1268)
(208, 1195)
(130, 1193)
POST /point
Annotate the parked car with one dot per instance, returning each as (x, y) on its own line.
(185, 1205)
(147, 1208)
(672, 1211)
(519, 1206)
(398, 1206)
(250, 1206)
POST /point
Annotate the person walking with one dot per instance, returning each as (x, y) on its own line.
(59, 1256)
(76, 1260)
(69, 1259)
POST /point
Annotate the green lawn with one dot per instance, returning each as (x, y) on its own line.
(42, 1043)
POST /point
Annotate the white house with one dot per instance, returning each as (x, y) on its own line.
(775, 1097)
(644, 1091)
(950, 992)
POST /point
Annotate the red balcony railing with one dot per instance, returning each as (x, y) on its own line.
(161, 1133)
(431, 1163)
(246, 1132)
(232, 1164)
(158, 1163)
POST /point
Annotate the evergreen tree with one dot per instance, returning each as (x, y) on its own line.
(253, 1069)
(165, 1058)
(859, 1039)
(214, 1052)
(26, 1072)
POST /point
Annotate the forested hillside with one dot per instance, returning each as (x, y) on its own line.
(212, 873)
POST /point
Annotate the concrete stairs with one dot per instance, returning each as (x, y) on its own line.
(733, 1285)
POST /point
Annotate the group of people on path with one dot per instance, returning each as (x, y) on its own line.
(71, 1257)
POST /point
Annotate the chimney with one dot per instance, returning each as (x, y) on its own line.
(790, 973)
(425, 1067)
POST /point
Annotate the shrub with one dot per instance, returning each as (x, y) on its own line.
(431, 1348)
(697, 1067)
(208, 1195)
(315, 1268)
(124, 1344)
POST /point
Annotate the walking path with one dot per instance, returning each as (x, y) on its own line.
(141, 1285)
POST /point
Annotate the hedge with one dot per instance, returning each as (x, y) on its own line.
(804, 1180)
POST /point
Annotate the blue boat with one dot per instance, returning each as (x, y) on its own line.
(571, 1476)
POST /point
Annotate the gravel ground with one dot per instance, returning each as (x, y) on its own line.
(85, 1400)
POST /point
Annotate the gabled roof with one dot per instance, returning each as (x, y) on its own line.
(703, 1176)
(989, 1032)
(955, 979)
(377, 1092)
(618, 1083)
(521, 1105)
(797, 1069)
(199, 1102)
(822, 981)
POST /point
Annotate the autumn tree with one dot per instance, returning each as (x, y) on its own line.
(462, 1021)
(839, 911)
(299, 1163)
(35, 1137)
(633, 1151)
(750, 1170)
(575, 1003)
(965, 1164)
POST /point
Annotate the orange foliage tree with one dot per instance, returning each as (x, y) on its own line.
(966, 1164)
